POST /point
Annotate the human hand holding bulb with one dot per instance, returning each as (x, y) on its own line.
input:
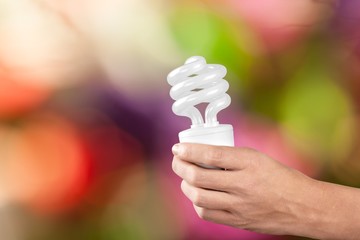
(256, 192)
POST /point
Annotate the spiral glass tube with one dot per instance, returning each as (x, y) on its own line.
(198, 82)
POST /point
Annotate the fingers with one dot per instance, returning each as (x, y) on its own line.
(201, 177)
(216, 216)
(206, 198)
(218, 156)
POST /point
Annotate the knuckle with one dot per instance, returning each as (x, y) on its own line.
(247, 186)
(248, 156)
(186, 152)
(197, 198)
(178, 167)
(192, 175)
(186, 190)
(214, 154)
(254, 163)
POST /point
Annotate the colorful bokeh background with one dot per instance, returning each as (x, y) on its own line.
(86, 126)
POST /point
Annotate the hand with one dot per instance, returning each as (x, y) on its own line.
(255, 192)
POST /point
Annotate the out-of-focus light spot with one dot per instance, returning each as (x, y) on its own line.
(139, 210)
(17, 97)
(39, 45)
(43, 164)
(130, 38)
(280, 23)
(113, 152)
(314, 110)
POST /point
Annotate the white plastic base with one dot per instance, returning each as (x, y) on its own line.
(221, 135)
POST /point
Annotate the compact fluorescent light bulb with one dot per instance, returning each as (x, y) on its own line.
(197, 82)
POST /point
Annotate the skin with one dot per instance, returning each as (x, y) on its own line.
(257, 193)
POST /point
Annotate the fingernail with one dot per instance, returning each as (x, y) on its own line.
(175, 149)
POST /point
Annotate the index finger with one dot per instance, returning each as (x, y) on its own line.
(231, 158)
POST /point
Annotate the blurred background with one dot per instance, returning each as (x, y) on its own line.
(86, 126)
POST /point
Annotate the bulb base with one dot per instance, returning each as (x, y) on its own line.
(221, 135)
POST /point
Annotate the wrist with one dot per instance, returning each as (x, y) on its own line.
(316, 218)
(309, 214)
(330, 211)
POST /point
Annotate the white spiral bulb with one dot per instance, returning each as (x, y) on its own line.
(197, 82)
